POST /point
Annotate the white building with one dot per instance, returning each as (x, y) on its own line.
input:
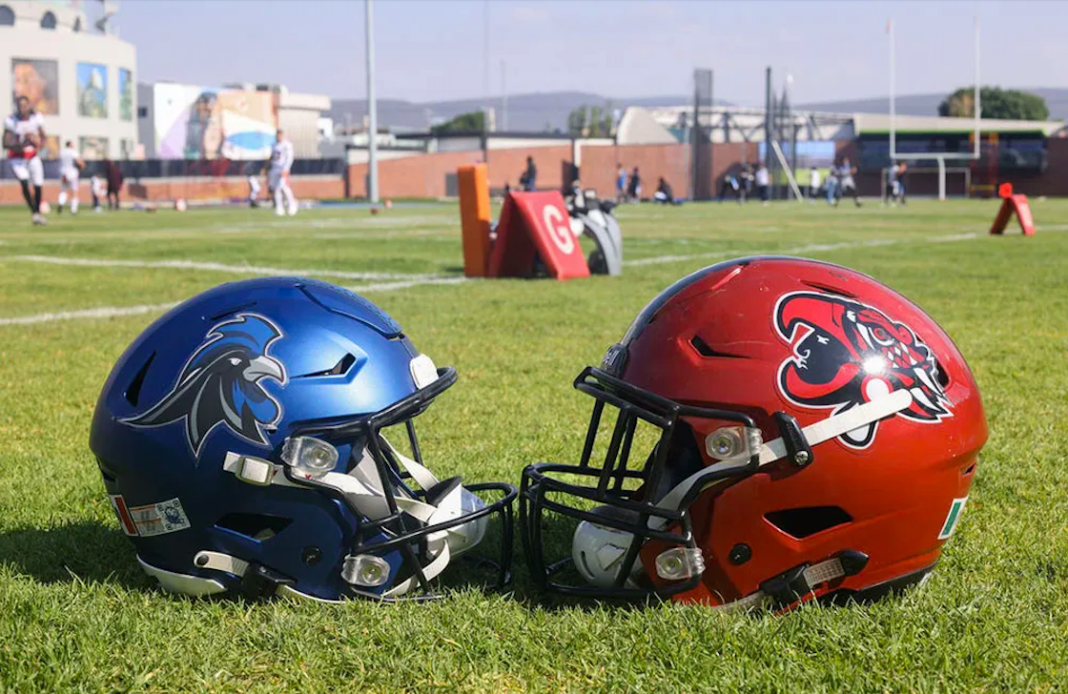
(79, 78)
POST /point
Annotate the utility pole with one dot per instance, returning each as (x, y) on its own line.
(504, 96)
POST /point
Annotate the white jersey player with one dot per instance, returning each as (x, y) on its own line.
(278, 176)
(99, 189)
(23, 136)
(70, 169)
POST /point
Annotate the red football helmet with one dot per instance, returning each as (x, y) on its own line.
(818, 435)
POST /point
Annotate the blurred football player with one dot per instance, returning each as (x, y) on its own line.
(99, 189)
(70, 168)
(23, 135)
(278, 176)
(253, 172)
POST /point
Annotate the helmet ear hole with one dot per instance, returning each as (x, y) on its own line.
(254, 526)
(800, 523)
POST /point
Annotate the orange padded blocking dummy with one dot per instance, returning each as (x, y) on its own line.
(474, 218)
(1013, 202)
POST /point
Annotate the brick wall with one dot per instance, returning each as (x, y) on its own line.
(410, 177)
(426, 176)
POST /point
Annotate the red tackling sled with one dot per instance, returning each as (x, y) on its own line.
(1013, 202)
(536, 224)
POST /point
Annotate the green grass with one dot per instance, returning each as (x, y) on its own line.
(77, 614)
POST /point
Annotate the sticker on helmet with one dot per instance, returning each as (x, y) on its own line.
(221, 384)
(845, 353)
(955, 511)
(152, 519)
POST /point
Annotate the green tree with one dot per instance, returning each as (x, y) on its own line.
(590, 121)
(473, 122)
(998, 103)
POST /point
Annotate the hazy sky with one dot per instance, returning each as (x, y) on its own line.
(434, 50)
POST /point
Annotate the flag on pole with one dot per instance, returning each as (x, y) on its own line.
(890, 25)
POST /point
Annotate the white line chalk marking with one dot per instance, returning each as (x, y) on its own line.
(216, 267)
(408, 281)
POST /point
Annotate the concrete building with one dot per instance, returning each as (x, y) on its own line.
(80, 78)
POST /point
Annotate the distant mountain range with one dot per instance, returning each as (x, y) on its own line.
(526, 112)
(548, 111)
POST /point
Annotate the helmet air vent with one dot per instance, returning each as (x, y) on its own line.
(340, 368)
(232, 310)
(800, 523)
(705, 350)
(830, 290)
(133, 391)
(254, 526)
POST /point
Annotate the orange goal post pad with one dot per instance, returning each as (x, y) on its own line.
(474, 218)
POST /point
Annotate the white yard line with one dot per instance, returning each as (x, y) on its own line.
(102, 312)
(408, 281)
(119, 311)
(216, 267)
(810, 248)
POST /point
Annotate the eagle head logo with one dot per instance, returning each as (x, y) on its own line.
(845, 353)
(221, 384)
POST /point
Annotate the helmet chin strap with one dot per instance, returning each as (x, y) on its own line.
(823, 430)
(363, 486)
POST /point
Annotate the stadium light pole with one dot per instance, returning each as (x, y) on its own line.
(372, 109)
(504, 96)
(893, 131)
(977, 107)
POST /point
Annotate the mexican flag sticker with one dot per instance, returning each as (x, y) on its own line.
(955, 509)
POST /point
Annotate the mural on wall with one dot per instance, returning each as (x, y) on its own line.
(92, 80)
(126, 97)
(93, 148)
(37, 80)
(200, 123)
(50, 147)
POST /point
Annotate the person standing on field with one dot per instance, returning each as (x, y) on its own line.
(621, 183)
(113, 175)
(23, 136)
(813, 184)
(634, 188)
(763, 184)
(902, 167)
(846, 184)
(98, 189)
(70, 168)
(529, 179)
(278, 176)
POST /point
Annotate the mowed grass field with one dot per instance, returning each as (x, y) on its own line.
(77, 613)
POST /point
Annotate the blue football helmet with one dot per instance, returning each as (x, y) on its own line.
(241, 441)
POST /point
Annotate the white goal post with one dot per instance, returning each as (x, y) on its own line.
(942, 171)
(940, 157)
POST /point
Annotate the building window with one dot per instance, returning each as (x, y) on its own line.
(77, 25)
(142, 111)
(7, 16)
(48, 21)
